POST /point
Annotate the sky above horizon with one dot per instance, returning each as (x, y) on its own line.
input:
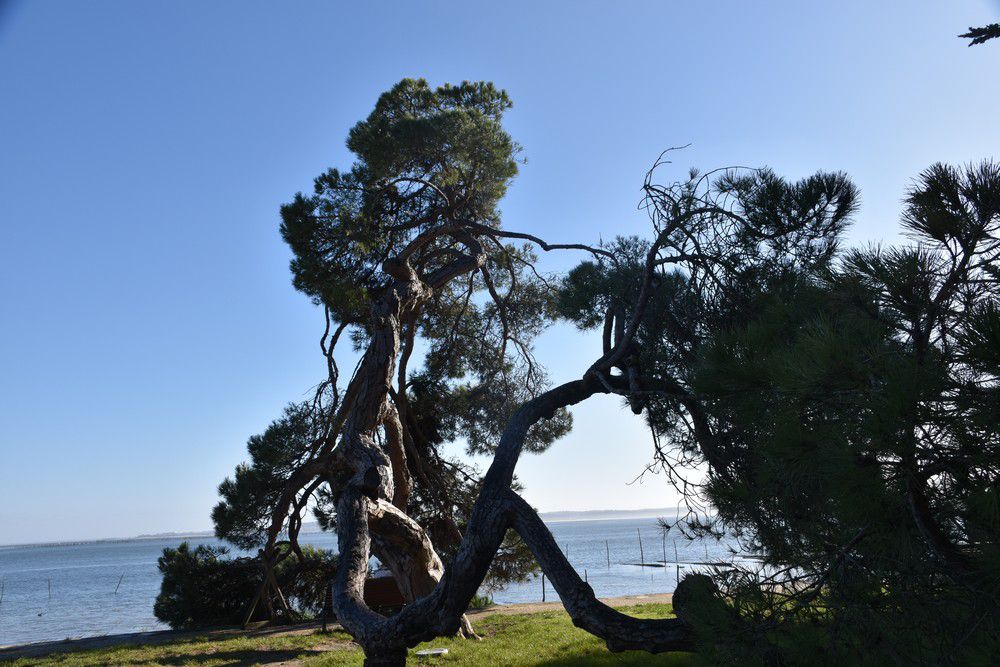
(148, 321)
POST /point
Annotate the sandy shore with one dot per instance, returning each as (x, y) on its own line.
(166, 636)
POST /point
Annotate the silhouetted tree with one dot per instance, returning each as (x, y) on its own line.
(859, 409)
(846, 405)
(983, 34)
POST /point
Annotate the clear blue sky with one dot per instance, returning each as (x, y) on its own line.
(147, 322)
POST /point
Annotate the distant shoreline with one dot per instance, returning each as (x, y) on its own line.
(607, 515)
(105, 540)
(562, 516)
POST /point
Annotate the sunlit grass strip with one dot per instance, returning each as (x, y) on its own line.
(508, 639)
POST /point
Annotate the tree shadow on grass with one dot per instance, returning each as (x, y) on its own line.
(234, 658)
(628, 658)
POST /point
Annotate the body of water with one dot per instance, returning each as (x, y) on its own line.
(590, 545)
(59, 591)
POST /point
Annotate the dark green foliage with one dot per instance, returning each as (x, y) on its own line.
(845, 405)
(248, 498)
(861, 412)
(431, 166)
(205, 587)
(722, 238)
(982, 34)
(479, 366)
(201, 587)
(304, 581)
(425, 157)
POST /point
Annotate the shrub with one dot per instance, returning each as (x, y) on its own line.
(205, 587)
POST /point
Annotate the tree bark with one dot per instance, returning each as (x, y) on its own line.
(496, 510)
(369, 516)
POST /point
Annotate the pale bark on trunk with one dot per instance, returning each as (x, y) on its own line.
(404, 547)
(370, 510)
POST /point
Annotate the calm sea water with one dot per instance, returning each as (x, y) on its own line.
(53, 592)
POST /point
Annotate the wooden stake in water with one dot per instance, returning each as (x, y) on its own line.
(607, 550)
(642, 556)
(677, 564)
(585, 576)
(664, 548)
(119, 582)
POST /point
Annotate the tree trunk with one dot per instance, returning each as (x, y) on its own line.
(367, 517)
(403, 546)
(497, 509)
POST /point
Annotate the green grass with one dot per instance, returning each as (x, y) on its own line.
(543, 638)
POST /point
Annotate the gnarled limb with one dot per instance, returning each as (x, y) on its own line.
(621, 632)
(497, 509)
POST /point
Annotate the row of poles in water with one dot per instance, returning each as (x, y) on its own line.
(642, 559)
(48, 582)
(607, 550)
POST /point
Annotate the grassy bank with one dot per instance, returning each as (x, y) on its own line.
(541, 638)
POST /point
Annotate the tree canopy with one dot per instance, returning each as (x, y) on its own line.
(860, 406)
(418, 205)
(842, 403)
(982, 34)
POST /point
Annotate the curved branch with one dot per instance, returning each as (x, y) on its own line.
(504, 234)
(496, 510)
(423, 182)
(621, 632)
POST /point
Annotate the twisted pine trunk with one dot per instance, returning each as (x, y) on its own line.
(370, 510)
(367, 518)
(498, 508)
